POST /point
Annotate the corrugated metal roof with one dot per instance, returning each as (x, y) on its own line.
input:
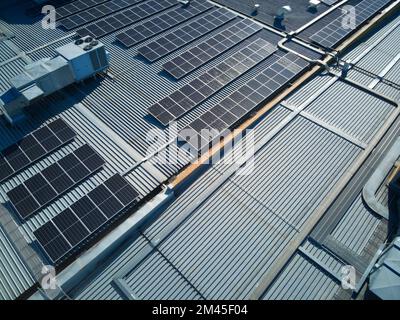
(246, 223)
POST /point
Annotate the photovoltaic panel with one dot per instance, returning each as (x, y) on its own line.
(335, 31)
(255, 91)
(33, 147)
(39, 190)
(211, 48)
(201, 88)
(75, 7)
(66, 231)
(95, 13)
(162, 23)
(188, 33)
(124, 18)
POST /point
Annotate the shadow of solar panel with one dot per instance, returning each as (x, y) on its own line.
(209, 83)
(124, 18)
(188, 33)
(195, 57)
(75, 224)
(330, 35)
(162, 23)
(54, 180)
(255, 91)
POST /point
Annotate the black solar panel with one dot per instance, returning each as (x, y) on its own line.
(44, 187)
(201, 88)
(75, 224)
(188, 33)
(95, 13)
(242, 101)
(211, 48)
(76, 6)
(125, 18)
(338, 29)
(34, 147)
(162, 23)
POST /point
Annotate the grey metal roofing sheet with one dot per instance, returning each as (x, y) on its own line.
(351, 109)
(302, 280)
(15, 278)
(5, 52)
(226, 245)
(356, 227)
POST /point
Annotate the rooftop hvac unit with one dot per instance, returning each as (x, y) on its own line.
(75, 62)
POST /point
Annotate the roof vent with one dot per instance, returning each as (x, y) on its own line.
(78, 42)
(88, 39)
(88, 47)
(94, 43)
(184, 2)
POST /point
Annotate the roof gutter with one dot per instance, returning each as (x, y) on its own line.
(370, 189)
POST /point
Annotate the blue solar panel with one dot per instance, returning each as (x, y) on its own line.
(338, 29)
(211, 48)
(204, 86)
(33, 147)
(162, 23)
(66, 231)
(188, 33)
(124, 18)
(255, 91)
(53, 181)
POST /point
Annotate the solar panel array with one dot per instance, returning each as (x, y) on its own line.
(162, 23)
(332, 33)
(47, 185)
(95, 13)
(125, 18)
(34, 147)
(201, 88)
(225, 114)
(188, 33)
(72, 226)
(211, 48)
(75, 7)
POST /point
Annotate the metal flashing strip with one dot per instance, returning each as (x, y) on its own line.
(320, 264)
(385, 71)
(339, 132)
(121, 143)
(345, 254)
(123, 287)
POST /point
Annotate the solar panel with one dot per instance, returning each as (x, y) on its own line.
(201, 88)
(190, 32)
(122, 19)
(47, 185)
(256, 90)
(211, 48)
(162, 23)
(95, 13)
(67, 230)
(76, 6)
(335, 31)
(33, 147)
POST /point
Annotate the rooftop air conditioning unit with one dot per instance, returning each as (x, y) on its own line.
(75, 62)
